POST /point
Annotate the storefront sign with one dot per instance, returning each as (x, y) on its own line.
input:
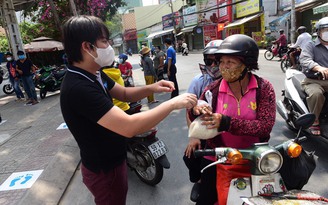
(167, 20)
(210, 33)
(190, 19)
(287, 3)
(225, 11)
(247, 8)
(130, 34)
(207, 17)
(258, 37)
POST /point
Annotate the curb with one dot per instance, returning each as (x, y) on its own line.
(52, 184)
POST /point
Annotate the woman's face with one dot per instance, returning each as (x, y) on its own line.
(231, 68)
(230, 62)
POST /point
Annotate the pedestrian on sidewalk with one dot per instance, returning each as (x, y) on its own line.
(98, 126)
(26, 70)
(169, 67)
(14, 76)
(149, 71)
(159, 58)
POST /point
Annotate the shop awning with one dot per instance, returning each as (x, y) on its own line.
(279, 20)
(188, 29)
(159, 33)
(242, 21)
(117, 45)
(320, 9)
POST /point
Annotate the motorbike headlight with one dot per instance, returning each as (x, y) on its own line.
(270, 162)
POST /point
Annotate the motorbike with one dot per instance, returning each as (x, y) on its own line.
(49, 79)
(260, 180)
(146, 154)
(7, 88)
(286, 62)
(294, 103)
(129, 52)
(128, 81)
(185, 49)
(273, 51)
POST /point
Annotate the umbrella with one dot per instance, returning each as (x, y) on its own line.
(43, 44)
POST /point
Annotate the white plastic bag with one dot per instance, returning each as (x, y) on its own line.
(196, 129)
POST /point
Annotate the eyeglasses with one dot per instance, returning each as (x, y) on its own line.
(210, 62)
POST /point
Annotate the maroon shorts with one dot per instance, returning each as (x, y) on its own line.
(107, 188)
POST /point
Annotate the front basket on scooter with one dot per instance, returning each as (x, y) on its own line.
(296, 171)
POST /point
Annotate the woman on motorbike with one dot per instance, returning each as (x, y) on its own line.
(242, 110)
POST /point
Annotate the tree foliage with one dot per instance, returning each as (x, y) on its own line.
(40, 12)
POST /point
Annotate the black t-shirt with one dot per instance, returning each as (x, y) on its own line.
(83, 102)
(26, 67)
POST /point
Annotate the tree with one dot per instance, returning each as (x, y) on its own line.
(42, 12)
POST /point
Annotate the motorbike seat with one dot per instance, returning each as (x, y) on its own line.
(59, 74)
(297, 81)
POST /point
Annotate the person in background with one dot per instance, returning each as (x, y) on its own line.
(169, 66)
(313, 59)
(302, 39)
(209, 72)
(98, 126)
(126, 69)
(26, 70)
(242, 110)
(159, 62)
(115, 74)
(282, 42)
(14, 76)
(149, 71)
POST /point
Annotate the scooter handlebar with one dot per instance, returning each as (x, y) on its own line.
(204, 152)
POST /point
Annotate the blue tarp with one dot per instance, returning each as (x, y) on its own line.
(279, 20)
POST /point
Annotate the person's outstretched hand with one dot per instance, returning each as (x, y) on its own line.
(186, 100)
(163, 86)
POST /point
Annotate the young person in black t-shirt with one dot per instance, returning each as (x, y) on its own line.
(26, 70)
(98, 126)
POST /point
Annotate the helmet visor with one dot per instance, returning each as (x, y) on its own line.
(210, 62)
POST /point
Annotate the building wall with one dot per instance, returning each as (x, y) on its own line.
(150, 15)
(129, 21)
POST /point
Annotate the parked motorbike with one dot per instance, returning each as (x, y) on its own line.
(286, 62)
(146, 154)
(294, 103)
(273, 51)
(260, 162)
(49, 79)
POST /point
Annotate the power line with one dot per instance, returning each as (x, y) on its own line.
(197, 12)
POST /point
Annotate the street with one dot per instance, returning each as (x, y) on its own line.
(42, 119)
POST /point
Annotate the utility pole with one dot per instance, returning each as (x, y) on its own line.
(292, 22)
(73, 7)
(173, 22)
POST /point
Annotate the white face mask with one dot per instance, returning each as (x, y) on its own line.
(324, 36)
(9, 58)
(120, 61)
(106, 56)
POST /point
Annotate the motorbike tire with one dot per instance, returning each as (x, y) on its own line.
(284, 64)
(268, 55)
(151, 177)
(43, 93)
(8, 89)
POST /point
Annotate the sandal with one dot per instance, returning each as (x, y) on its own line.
(315, 130)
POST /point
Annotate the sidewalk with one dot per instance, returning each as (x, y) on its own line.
(29, 141)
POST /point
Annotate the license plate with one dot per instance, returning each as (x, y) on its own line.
(158, 149)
